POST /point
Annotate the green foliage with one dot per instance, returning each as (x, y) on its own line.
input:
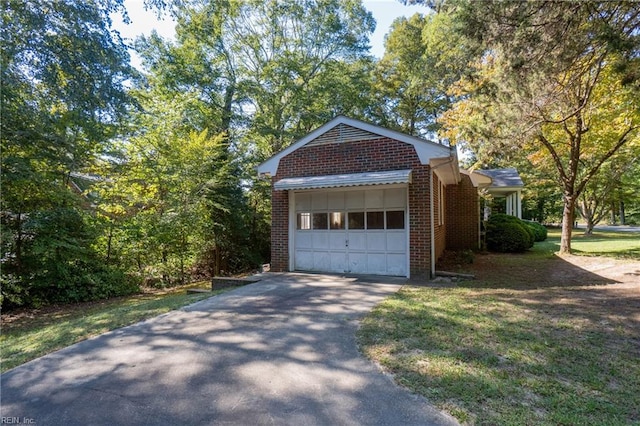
(57, 264)
(508, 234)
(539, 231)
(423, 57)
(63, 97)
(554, 82)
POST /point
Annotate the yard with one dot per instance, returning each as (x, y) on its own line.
(29, 334)
(535, 339)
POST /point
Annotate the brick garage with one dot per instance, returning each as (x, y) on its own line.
(352, 197)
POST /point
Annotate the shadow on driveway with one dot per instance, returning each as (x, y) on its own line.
(281, 351)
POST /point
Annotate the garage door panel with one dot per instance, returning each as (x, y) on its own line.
(376, 242)
(304, 240)
(338, 261)
(319, 201)
(374, 199)
(321, 261)
(358, 263)
(376, 263)
(396, 264)
(396, 241)
(354, 200)
(304, 260)
(336, 201)
(303, 202)
(337, 241)
(395, 198)
(320, 240)
(357, 241)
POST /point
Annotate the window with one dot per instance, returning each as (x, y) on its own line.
(320, 220)
(356, 220)
(395, 219)
(375, 220)
(304, 221)
(336, 220)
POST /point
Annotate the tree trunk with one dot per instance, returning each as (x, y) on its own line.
(109, 240)
(589, 229)
(588, 213)
(613, 214)
(165, 275)
(19, 238)
(567, 224)
(622, 218)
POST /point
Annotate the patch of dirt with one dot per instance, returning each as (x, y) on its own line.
(598, 288)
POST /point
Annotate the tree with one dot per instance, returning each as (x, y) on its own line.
(423, 57)
(609, 189)
(261, 74)
(63, 75)
(173, 194)
(559, 80)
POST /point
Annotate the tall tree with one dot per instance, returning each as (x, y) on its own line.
(613, 185)
(423, 57)
(556, 78)
(269, 69)
(63, 75)
(262, 74)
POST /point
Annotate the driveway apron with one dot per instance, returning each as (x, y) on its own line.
(281, 351)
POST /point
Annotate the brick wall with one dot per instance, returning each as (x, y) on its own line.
(355, 157)
(462, 215)
(439, 226)
(279, 230)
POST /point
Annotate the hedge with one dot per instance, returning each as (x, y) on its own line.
(508, 234)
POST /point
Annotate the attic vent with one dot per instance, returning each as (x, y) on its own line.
(343, 133)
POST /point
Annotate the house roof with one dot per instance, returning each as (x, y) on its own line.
(337, 181)
(503, 178)
(426, 150)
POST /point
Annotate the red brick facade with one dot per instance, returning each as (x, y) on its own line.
(381, 154)
(279, 230)
(356, 157)
(439, 223)
(462, 215)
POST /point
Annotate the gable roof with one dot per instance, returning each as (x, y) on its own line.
(503, 178)
(343, 129)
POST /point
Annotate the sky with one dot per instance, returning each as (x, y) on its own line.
(143, 22)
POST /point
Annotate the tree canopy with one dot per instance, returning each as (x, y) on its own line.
(557, 80)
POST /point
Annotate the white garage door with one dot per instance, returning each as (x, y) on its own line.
(360, 231)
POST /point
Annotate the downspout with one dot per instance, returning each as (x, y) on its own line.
(432, 272)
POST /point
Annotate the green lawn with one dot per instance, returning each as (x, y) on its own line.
(625, 245)
(520, 353)
(30, 338)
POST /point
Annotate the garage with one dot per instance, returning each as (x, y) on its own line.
(352, 197)
(354, 231)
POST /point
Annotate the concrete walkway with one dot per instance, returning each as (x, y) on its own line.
(281, 351)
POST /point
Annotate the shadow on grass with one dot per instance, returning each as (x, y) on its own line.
(528, 271)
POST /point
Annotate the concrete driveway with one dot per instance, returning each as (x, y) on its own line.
(281, 351)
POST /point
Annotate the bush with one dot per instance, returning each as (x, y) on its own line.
(539, 230)
(508, 234)
(59, 265)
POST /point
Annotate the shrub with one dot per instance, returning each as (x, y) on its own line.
(508, 234)
(539, 230)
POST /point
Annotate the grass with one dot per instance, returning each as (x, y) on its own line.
(622, 245)
(39, 334)
(524, 353)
